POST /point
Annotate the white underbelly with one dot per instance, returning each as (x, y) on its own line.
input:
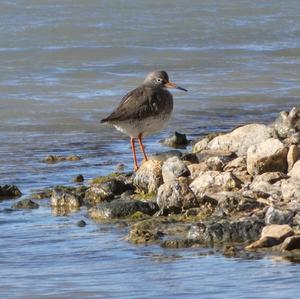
(146, 127)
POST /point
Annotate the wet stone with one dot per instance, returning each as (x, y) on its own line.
(9, 191)
(81, 223)
(25, 204)
(176, 140)
(78, 178)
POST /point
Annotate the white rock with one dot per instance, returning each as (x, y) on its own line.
(240, 139)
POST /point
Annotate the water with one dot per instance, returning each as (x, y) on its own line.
(64, 65)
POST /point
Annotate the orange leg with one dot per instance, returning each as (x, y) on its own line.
(142, 146)
(136, 166)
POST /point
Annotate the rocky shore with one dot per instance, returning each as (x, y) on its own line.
(238, 192)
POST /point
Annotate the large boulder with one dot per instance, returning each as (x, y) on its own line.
(121, 209)
(176, 196)
(288, 123)
(173, 169)
(240, 139)
(149, 176)
(278, 216)
(290, 189)
(213, 182)
(269, 155)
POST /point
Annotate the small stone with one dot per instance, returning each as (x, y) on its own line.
(25, 204)
(276, 231)
(81, 223)
(197, 169)
(292, 156)
(176, 140)
(78, 179)
(148, 177)
(176, 196)
(291, 243)
(174, 168)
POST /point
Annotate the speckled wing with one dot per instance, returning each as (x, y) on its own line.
(141, 103)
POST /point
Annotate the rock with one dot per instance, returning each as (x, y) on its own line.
(290, 189)
(287, 124)
(164, 156)
(81, 223)
(202, 144)
(263, 242)
(78, 179)
(177, 243)
(25, 204)
(292, 156)
(121, 209)
(176, 196)
(176, 140)
(146, 231)
(269, 155)
(240, 139)
(197, 169)
(56, 158)
(149, 176)
(9, 191)
(65, 198)
(238, 164)
(291, 243)
(276, 216)
(294, 139)
(213, 182)
(41, 194)
(73, 158)
(295, 171)
(174, 168)
(269, 183)
(276, 231)
(222, 231)
(234, 202)
(120, 167)
(105, 191)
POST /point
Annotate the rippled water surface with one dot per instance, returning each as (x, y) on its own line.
(65, 65)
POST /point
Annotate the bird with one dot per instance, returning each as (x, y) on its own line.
(144, 110)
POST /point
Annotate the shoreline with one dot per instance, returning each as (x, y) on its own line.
(236, 192)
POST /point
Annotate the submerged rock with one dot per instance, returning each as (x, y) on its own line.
(122, 209)
(176, 140)
(56, 158)
(25, 204)
(78, 179)
(9, 191)
(240, 139)
(149, 176)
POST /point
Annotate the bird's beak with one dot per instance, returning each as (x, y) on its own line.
(173, 85)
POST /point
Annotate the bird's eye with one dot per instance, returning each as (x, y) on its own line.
(159, 79)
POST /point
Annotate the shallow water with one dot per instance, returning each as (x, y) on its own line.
(64, 65)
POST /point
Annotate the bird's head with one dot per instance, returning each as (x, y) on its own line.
(161, 79)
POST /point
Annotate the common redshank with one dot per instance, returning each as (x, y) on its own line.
(144, 110)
